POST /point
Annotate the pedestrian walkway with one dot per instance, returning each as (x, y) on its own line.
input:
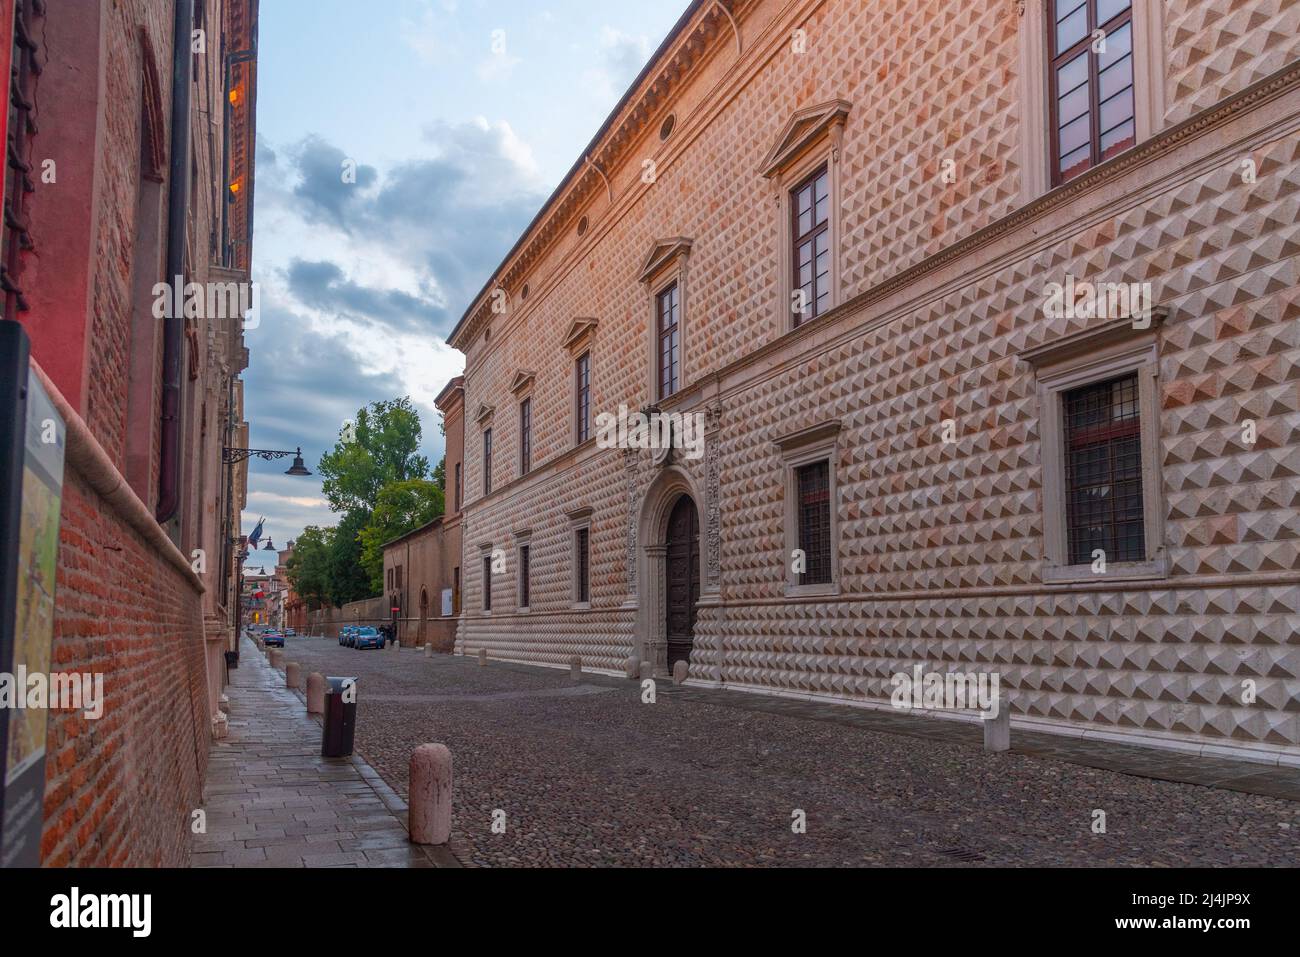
(271, 800)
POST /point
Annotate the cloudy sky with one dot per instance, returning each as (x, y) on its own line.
(455, 119)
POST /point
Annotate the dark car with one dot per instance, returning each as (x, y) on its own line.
(273, 638)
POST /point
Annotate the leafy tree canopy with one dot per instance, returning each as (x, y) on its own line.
(379, 448)
(402, 507)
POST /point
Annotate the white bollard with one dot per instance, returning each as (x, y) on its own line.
(679, 672)
(428, 651)
(997, 731)
(575, 668)
(482, 657)
(647, 670)
(293, 675)
(429, 807)
(632, 667)
(315, 693)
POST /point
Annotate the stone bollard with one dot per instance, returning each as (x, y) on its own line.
(679, 672)
(429, 805)
(428, 651)
(482, 657)
(632, 666)
(277, 659)
(315, 693)
(293, 675)
(220, 726)
(223, 704)
(647, 670)
(997, 731)
(575, 668)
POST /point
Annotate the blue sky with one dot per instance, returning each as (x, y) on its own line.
(459, 117)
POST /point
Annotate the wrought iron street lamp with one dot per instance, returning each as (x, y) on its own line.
(229, 457)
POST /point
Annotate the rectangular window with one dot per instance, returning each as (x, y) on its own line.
(581, 565)
(525, 557)
(812, 482)
(582, 394)
(487, 582)
(458, 487)
(397, 577)
(810, 216)
(455, 590)
(487, 461)
(525, 436)
(1103, 472)
(1090, 83)
(669, 340)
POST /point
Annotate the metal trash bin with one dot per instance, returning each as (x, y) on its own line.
(340, 717)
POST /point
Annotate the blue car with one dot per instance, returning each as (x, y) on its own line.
(344, 633)
(273, 639)
(367, 638)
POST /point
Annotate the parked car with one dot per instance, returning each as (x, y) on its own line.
(367, 637)
(274, 638)
(343, 635)
(290, 633)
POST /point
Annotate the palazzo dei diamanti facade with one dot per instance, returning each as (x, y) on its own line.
(832, 230)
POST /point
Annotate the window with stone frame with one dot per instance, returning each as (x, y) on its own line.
(1103, 471)
(525, 436)
(487, 582)
(487, 462)
(582, 398)
(525, 585)
(668, 337)
(1091, 96)
(582, 565)
(810, 231)
(812, 482)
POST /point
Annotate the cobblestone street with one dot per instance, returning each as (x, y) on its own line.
(586, 774)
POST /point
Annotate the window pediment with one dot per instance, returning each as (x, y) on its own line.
(805, 127)
(484, 413)
(663, 252)
(1091, 339)
(580, 332)
(523, 379)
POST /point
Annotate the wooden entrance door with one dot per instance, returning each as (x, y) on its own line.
(683, 579)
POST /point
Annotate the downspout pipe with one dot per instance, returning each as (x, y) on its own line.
(178, 188)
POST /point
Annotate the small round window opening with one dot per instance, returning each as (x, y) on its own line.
(582, 226)
(666, 130)
(524, 292)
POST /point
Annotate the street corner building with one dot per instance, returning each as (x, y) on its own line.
(976, 331)
(128, 200)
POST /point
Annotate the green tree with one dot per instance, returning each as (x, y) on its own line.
(348, 579)
(308, 568)
(379, 448)
(402, 507)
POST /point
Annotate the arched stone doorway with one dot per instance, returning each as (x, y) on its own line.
(669, 559)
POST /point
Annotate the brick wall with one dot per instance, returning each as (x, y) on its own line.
(119, 790)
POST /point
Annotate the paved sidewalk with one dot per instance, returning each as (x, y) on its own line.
(273, 801)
